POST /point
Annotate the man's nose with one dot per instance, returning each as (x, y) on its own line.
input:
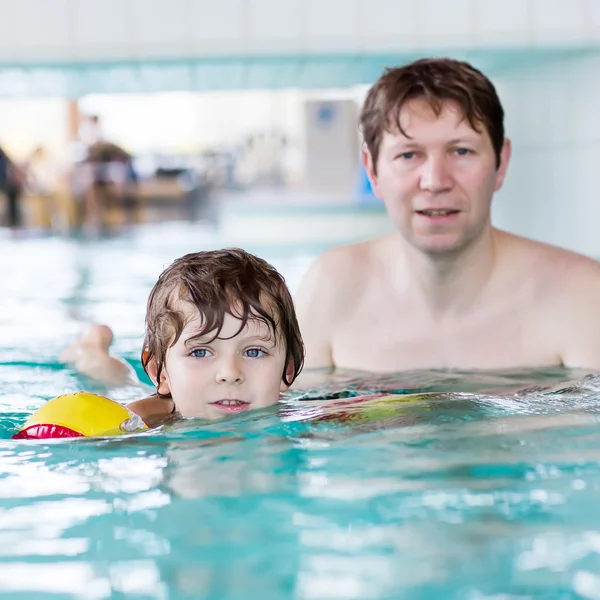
(229, 370)
(435, 175)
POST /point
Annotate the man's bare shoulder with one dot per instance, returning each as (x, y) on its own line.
(565, 283)
(569, 296)
(577, 275)
(346, 265)
(331, 287)
(559, 291)
(552, 264)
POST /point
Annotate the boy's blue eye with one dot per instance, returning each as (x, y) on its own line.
(200, 353)
(255, 353)
(462, 151)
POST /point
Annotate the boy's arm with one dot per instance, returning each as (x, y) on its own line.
(91, 357)
(100, 366)
(108, 370)
(153, 410)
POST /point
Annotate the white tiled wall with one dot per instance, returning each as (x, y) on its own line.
(505, 23)
(558, 21)
(552, 192)
(73, 30)
(88, 34)
(217, 31)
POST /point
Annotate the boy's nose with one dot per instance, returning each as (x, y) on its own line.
(229, 371)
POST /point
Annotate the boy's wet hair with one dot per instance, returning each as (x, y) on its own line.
(437, 80)
(217, 283)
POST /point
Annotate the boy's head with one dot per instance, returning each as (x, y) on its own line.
(221, 334)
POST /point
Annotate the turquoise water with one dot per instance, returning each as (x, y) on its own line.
(466, 495)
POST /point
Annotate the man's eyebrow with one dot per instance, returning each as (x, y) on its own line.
(405, 143)
(463, 139)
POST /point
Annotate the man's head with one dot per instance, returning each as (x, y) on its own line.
(221, 334)
(434, 137)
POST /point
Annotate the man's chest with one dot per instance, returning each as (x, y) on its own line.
(392, 340)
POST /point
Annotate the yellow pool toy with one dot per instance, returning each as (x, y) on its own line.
(81, 414)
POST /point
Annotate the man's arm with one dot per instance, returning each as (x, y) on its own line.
(579, 322)
(313, 300)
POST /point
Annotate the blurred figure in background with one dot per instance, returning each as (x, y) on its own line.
(43, 175)
(109, 179)
(12, 181)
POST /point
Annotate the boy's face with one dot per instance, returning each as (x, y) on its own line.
(209, 379)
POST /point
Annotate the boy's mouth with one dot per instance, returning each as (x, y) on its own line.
(231, 405)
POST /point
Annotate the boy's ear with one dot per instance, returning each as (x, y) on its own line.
(289, 375)
(162, 387)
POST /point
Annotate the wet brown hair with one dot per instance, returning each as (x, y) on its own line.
(437, 81)
(218, 282)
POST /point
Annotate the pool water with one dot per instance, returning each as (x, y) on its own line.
(486, 488)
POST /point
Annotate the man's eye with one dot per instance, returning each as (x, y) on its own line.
(407, 155)
(462, 151)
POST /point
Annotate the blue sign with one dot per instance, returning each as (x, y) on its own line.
(325, 114)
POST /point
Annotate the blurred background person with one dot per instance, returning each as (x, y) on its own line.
(12, 182)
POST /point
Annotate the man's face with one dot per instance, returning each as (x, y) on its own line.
(437, 182)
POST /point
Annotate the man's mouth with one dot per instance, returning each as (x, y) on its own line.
(231, 405)
(438, 213)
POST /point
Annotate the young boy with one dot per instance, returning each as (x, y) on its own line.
(221, 338)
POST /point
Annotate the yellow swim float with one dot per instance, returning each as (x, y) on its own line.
(81, 414)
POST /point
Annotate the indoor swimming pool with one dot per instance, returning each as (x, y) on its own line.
(485, 488)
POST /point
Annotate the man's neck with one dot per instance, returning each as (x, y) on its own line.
(452, 283)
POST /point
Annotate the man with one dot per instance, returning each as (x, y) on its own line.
(446, 290)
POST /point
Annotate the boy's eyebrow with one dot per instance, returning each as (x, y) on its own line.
(193, 339)
(203, 338)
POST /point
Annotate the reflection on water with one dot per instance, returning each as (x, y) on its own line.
(483, 485)
(466, 496)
